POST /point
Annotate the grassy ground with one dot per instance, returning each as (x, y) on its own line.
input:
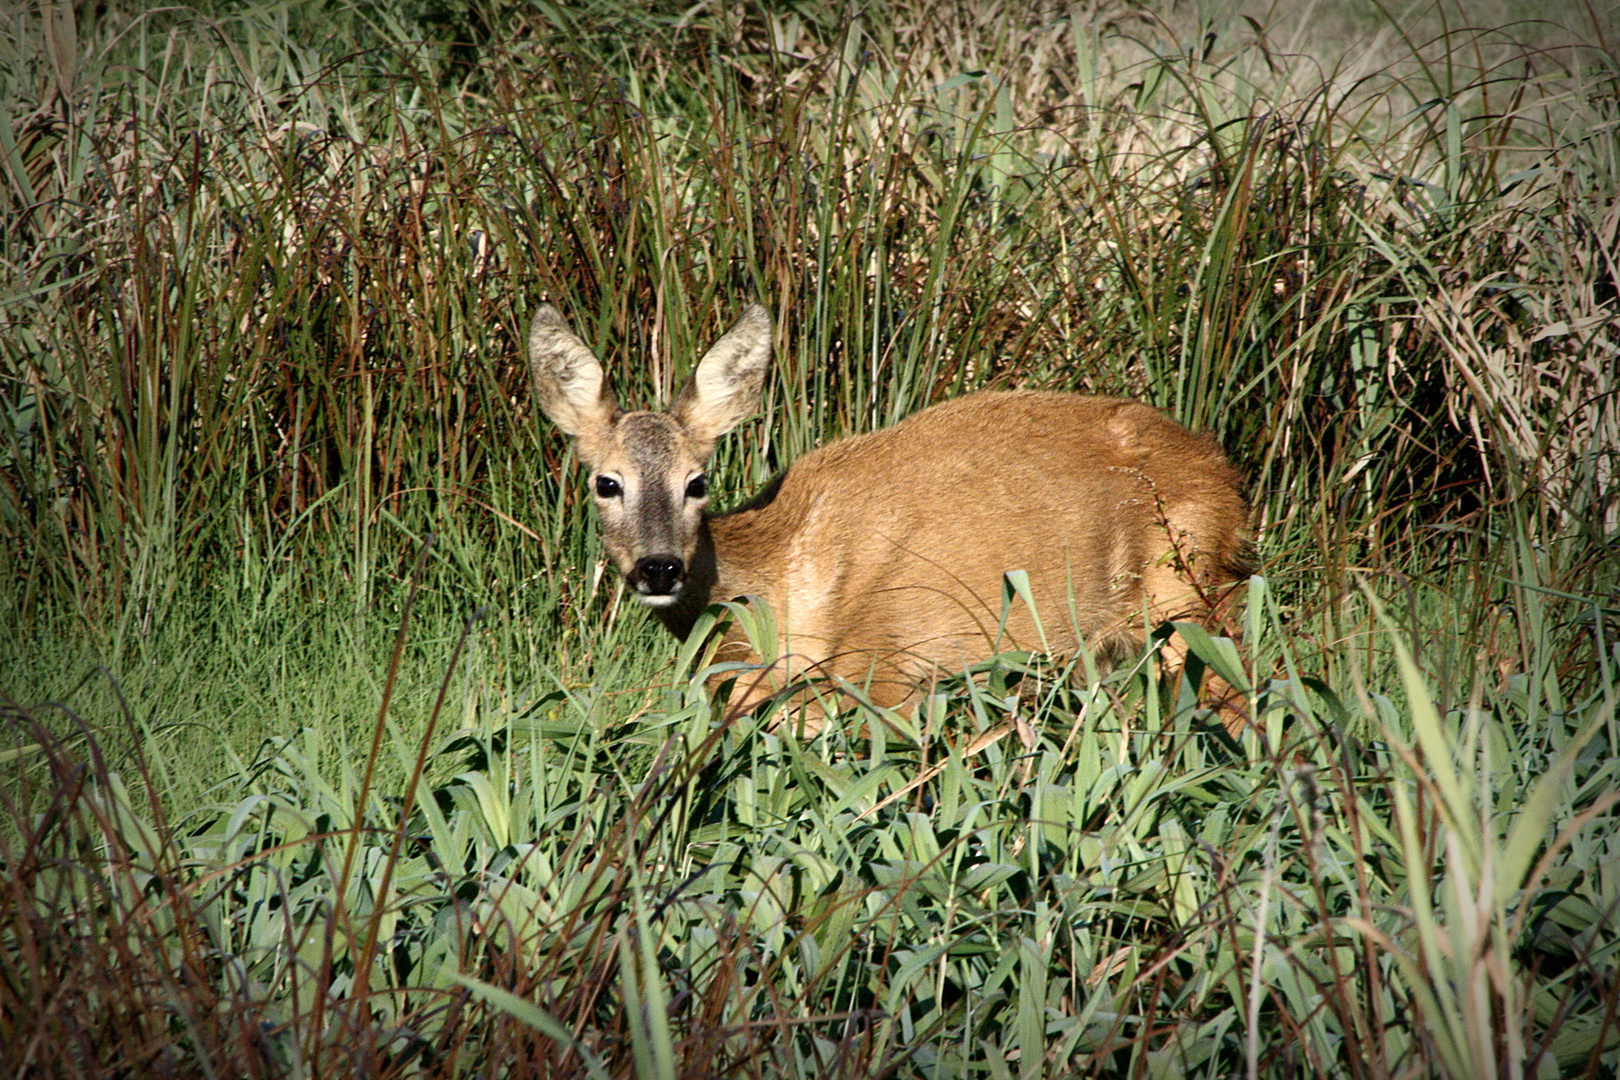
(331, 747)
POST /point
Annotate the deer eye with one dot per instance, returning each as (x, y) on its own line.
(697, 487)
(608, 488)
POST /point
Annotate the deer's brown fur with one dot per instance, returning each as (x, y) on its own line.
(882, 555)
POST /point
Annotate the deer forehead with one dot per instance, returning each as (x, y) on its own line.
(650, 445)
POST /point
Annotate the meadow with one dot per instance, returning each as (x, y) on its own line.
(330, 745)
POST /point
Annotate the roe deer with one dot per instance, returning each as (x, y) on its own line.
(882, 555)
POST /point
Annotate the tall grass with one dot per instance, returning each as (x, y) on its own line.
(332, 749)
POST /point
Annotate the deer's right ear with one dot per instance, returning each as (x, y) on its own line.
(568, 379)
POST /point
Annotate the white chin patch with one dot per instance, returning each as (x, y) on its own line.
(658, 600)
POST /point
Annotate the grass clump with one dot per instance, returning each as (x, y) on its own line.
(331, 748)
(1058, 881)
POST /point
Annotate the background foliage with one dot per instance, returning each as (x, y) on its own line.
(332, 749)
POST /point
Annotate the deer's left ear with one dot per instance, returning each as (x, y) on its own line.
(725, 389)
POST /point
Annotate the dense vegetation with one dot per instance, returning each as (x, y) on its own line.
(331, 749)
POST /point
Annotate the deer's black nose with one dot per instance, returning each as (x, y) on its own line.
(658, 575)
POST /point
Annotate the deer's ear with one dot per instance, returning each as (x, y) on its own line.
(568, 379)
(725, 389)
